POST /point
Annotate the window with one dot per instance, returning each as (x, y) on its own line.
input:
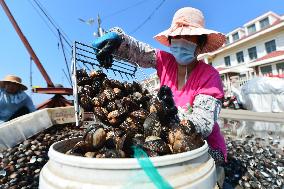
(227, 40)
(280, 68)
(266, 70)
(251, 29)
(270, 46)
(252, 53)
(235, 36)
(227, 61)
(264, 23)
(243, 76)
(240, 57)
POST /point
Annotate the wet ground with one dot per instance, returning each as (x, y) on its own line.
(255, 153)
(255, 156)
(272, 132)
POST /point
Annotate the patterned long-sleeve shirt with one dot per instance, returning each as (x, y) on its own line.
(11, 103)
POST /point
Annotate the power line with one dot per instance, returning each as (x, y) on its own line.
(52, 21)
(148, 18)
(68, 40)
(55, 25)
(44, 20)
(66, 62)
(46, 12)
(67, 77)
(58, 37)
(125, 9)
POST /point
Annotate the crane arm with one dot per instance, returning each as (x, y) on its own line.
(27, 45)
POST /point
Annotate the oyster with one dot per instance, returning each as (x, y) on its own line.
(80, 148)
(95, 136)
(182, 138)
(86, 102)
(101, 113)
(156, 144)
(116, 117)
(131, 125)
(152, 126)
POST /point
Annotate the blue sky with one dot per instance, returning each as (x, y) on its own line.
(220, 15)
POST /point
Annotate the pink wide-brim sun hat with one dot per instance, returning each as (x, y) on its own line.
(190, 21)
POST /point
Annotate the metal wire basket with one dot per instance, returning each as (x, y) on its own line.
(84, 57)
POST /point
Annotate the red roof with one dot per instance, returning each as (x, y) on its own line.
(220, 69)
(277, 75)
(270, 55)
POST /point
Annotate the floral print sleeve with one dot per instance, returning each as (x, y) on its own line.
(134, 51)
(205, 113)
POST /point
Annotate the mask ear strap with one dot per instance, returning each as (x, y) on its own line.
(185, 77)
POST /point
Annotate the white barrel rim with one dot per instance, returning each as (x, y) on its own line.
(121, 163)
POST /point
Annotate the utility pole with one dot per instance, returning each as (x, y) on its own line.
(100, 30)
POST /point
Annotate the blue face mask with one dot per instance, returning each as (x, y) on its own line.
(183, 51)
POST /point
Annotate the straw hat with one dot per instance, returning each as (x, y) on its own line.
(13, 79)
(190, 21)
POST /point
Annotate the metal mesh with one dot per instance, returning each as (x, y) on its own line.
(84, 56)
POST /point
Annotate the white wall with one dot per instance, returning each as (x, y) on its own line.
(152, 83)
(274, 68)
(258, 42)
(280, 41)
(272, 19)
(242, 33)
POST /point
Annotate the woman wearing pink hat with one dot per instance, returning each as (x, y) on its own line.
(14, 102)
(192, 81)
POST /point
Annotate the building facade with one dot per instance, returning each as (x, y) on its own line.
(255, 49)
(152, 83)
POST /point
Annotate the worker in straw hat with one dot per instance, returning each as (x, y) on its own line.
(14, 102)
(192, 81)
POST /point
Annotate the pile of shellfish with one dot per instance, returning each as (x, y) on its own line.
(20, 166)
(129, 116)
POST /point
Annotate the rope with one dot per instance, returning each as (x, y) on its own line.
(31, 76)
(150, 169)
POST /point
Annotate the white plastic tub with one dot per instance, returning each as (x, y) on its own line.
(21, 128)
(193, 169)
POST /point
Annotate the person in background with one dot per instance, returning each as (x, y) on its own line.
(192, 81)
(14, 102)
